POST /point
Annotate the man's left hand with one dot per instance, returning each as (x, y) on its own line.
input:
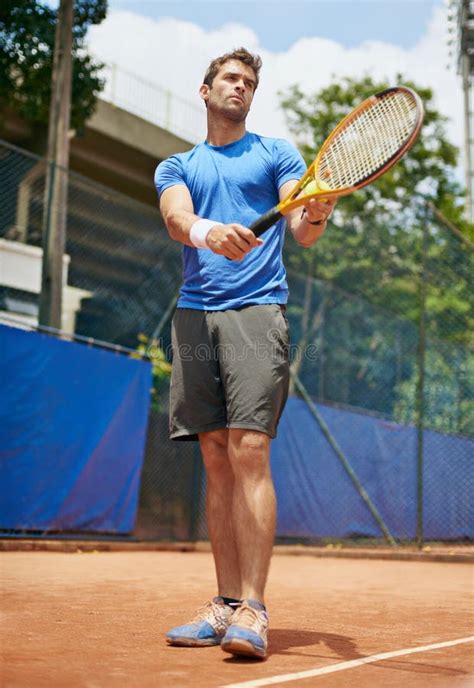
(319, 210)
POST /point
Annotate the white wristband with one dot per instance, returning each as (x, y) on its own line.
(199, 232)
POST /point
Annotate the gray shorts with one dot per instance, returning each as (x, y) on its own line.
(230, 370)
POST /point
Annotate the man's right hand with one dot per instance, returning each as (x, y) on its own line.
(232, 241)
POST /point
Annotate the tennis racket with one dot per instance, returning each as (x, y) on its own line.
(363, 146)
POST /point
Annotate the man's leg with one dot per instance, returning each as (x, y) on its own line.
(212, 621)
(219, 499)
(253, 508)
(253, 512)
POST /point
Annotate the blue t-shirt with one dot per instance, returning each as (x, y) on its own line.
(234, 183)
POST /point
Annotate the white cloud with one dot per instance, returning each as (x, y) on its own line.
(174, 54)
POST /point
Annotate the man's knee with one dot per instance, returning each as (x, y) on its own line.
(214, 440)
(249, 450)
(214, 449)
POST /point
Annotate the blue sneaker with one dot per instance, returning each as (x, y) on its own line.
(247, 634)
(208, 626)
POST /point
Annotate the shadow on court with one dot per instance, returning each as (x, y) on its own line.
(284, 641)
(287, 641)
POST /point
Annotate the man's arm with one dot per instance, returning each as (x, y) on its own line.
(233, 240)
(299, 223)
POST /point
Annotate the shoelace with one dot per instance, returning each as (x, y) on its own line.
(247, 617)
(210, 608)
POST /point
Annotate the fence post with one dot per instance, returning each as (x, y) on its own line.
(56, 192)
(420, 388)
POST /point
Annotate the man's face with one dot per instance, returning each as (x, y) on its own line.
(232, 90)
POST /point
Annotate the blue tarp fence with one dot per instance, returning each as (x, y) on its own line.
(316, 498)
(73, 429)
(73, 421)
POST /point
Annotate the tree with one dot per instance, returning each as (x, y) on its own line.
(27, 29)
(373, 249)
(373, 245)
(448, 393)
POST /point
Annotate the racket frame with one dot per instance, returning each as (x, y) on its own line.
(294, 200)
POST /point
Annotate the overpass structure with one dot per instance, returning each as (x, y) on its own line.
(121, 150)
(116, 247)
(136, 125)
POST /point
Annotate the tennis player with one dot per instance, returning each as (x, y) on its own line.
(230, 340)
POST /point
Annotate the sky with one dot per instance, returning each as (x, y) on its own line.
(279, 24)
(308, 42)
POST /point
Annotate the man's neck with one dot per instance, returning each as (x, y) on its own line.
(224, 131)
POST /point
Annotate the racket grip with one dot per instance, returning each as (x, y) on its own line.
(265, 221)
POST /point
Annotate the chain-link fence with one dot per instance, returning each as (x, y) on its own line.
(401, 354)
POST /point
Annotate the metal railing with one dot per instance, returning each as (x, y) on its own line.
(153, 103)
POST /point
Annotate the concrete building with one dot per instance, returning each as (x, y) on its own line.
(116, 247)
(116, 148)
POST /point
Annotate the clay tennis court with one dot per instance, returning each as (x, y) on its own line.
(97, 619)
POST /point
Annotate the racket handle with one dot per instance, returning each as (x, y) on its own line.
(265, 221)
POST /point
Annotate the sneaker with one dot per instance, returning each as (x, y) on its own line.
(208, 626)
(247, 634)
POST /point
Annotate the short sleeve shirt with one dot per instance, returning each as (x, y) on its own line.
(234, 183)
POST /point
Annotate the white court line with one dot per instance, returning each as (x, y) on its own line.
(341, 666)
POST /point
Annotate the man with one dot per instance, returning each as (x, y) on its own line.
(230, 339)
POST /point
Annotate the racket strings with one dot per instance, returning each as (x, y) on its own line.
(368, 141)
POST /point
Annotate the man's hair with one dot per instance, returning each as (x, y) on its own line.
(241, 54)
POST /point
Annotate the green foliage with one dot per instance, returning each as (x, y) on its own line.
(161, 369)
(448, 392)
(27, 32)
(388, 244)
(373, 244)
(426, 169)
